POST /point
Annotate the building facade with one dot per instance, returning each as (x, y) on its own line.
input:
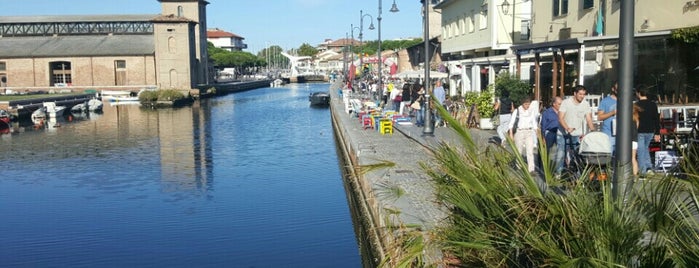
(225, 40)
(106, 51)
(477, 36)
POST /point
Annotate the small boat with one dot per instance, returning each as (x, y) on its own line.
(93, 105)
(319, 98)
(119, 96)
(53, 110)
(5, 122)
(276, 83)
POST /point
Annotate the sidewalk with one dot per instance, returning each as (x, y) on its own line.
(417, 206)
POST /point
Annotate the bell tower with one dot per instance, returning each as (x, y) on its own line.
(193, 10)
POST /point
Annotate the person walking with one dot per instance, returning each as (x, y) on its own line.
(405, 96)
(504, 106)
(419, 108)
(440, 95)
(648, 129)
(606, 112)
(573, 115)
(634, 138)
(523, 132)
(552, 136)
(396, 97)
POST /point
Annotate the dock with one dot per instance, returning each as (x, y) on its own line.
(23, 108)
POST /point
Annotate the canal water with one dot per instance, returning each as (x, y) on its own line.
(249, 179)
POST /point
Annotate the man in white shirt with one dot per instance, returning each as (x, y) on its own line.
(574, 113)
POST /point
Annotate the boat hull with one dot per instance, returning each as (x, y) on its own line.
(319, 99)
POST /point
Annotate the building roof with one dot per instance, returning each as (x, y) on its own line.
(76, 18)
(171, 18)
(217, 33)
(343, 42)
(77, 46)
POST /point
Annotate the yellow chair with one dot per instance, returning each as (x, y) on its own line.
(386, 126)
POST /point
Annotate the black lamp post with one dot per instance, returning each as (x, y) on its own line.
(361, 35)
(394, 9)
(428, 130)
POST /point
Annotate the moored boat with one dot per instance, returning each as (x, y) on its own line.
(119, 96)
(319, 98)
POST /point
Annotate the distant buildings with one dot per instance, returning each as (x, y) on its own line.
(225, 40)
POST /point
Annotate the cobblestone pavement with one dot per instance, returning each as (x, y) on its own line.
(406, 148)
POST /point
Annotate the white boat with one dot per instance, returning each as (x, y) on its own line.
(93, 105)
(119, 96)
(53, 110)
(39, 114)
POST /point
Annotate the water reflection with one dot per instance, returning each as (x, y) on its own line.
(245, 180)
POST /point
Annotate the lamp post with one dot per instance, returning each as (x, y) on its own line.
(394, 9)
(344, 58)
(505, 9)
(428, 130)
(361, 35)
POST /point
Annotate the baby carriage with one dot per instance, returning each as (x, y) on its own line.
(594, 154)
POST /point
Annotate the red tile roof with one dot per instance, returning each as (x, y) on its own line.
(221, 34)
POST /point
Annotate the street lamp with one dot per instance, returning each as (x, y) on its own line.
(505, 9)
(428, 129)
(361, 28)
(394, 9)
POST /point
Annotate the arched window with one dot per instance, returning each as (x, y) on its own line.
(171, 45)
(180, 11)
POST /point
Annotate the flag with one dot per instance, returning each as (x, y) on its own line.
(599, 25)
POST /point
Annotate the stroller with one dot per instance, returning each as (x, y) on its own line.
(595, 153)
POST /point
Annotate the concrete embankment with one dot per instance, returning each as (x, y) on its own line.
(232, 87)
(400, 197)
(380, 211)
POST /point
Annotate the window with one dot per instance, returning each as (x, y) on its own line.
(120, 64)
(61, 74)
(462, 23)
(471, 28)
(180, 11)
(560, 7)
(171, 45)
(3, 76)
(119, 72)
(588, 4)
(525, 30)
(483, 21)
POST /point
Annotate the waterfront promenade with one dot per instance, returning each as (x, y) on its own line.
(398, 195)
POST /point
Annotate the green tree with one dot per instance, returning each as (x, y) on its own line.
(307, 50)
(236, 59)
(517, 88)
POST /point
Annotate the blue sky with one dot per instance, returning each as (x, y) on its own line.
(287, 23)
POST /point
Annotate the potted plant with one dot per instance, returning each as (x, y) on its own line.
(486, 109)
(484, 105)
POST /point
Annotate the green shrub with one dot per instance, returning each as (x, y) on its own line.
(148, 96)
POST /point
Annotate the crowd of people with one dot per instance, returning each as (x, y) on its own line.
(407, 97)
(561, 126)
(565, 122)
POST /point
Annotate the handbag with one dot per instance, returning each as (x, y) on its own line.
(415, 105)
(398, 98)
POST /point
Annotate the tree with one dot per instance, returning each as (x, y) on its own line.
(307, 50)
(272, 55)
